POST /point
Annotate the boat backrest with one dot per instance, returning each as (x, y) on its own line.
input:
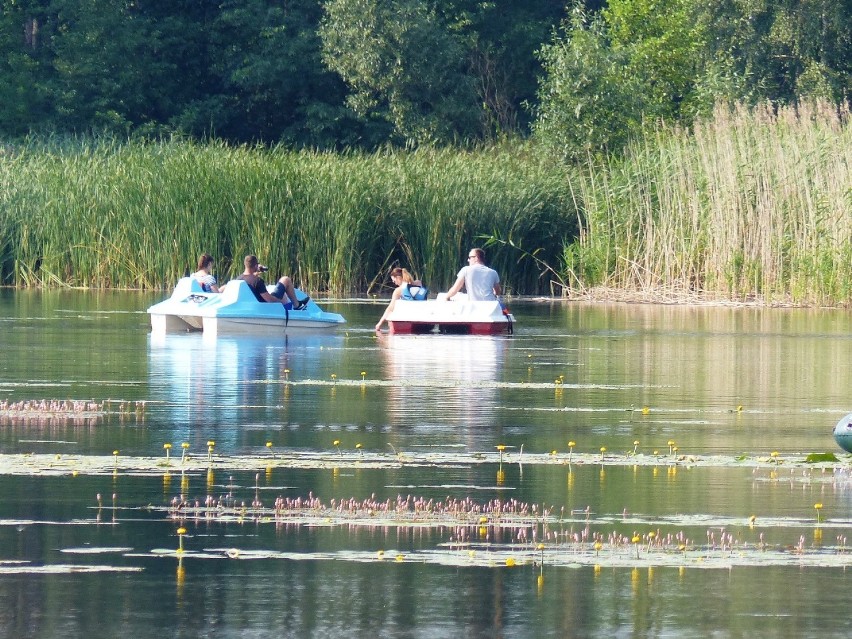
(238, 291)
(187, 286)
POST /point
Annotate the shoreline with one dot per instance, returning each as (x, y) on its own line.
(594, 295)
(679, 297)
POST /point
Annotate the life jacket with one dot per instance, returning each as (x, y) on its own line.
(415, 292)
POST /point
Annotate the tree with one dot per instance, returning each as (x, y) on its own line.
(97, 65)
(776, 50)
(640, 61)
(20, 62)
(502, 37)
(402, 65)
(660, 41)
(266, 81)
(589, 101)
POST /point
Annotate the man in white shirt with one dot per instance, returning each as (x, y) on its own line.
(481, 283)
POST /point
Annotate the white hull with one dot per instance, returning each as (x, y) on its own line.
(459, 316)
(164, 323)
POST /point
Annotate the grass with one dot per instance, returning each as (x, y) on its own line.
(97, 213)
(749, 205)
(752, 204)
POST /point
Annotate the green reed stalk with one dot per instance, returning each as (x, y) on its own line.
(100, 213)
(751, 204)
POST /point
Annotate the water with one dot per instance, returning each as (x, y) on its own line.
(714, 381)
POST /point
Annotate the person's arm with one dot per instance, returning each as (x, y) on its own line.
(498, 290)
(455, 287)
(397, 293)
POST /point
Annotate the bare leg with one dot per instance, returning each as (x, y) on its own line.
(287, 283)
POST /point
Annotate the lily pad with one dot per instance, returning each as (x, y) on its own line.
(815, 458)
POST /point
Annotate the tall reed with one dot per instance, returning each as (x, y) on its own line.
(751, 204)
(100, 213)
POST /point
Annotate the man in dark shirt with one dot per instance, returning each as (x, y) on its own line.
(258, 286)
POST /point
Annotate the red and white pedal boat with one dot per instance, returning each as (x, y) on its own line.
(458, 317)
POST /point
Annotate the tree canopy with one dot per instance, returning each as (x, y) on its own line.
(634, 62)
(339, 74)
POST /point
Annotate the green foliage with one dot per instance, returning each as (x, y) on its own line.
(780, 51)
(402, 65)
(588, 100)
(815, 458)
(642, 61)
(752, 204)
(266, 78)
(661, 41)
(100, 213)
(252, 70)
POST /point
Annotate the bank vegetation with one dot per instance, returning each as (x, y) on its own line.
(751, 204)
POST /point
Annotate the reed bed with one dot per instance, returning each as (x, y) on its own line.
(99, 213)
(751, 205)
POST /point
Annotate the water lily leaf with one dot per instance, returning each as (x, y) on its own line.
(814, 458)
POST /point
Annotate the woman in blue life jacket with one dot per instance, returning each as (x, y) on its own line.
(407, 288)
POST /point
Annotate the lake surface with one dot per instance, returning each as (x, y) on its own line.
(93, 553)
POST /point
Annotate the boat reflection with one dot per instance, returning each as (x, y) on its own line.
(204, 381)
(443, 382)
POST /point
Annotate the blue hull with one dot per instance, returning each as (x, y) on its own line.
(235, 310)
(843, 433)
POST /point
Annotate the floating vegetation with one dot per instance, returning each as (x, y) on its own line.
(452, 531)
(55, 464)
(27, 568)
(506, 533)
(510, 556)
(815, 458)
(52, 412)
(442, 382)
(95, 550)
(21, 524)
(498, 533)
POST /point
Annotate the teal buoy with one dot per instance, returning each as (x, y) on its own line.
(843, 433)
